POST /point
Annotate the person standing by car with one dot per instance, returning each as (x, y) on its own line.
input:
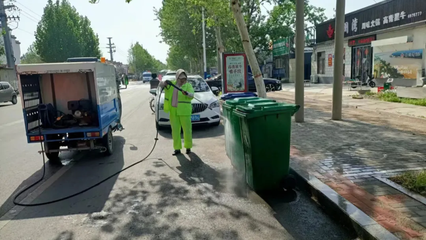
(178, 105)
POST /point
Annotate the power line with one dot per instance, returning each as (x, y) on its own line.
(30, 17)
(28, 8)
(25, 31)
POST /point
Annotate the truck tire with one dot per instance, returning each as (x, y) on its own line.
(108, 143)
(53, 156)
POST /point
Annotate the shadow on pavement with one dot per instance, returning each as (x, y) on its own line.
(50, 170)
(88, 170)
(164, 207)
(6, 105)
(198, 132)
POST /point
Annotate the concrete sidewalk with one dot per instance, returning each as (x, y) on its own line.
(375, 139)
(324, 92)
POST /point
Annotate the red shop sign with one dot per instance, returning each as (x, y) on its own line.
(361, 41)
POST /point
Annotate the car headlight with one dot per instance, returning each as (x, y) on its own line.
(278, 81)
(214, 104)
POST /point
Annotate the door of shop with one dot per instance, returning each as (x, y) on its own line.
(361, 62)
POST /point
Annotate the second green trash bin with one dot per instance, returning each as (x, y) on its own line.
(233, 144)
(266, 135)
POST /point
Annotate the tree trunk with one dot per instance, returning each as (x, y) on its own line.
(220, 49)
(248, 48)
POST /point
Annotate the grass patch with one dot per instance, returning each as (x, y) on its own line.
(415, 182)
(392, 97)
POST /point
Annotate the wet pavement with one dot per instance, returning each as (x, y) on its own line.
(348, 155)
(196, 196)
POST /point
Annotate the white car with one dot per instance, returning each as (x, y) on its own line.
(201, 113)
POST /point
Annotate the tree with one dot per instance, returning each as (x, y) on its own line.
(282, 20)
(184, 30)
(175, 60)
(63, 33)
(31, 56)
(140, 60)
(248, 48)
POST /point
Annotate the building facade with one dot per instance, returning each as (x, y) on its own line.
(16, 48)
(385, 40)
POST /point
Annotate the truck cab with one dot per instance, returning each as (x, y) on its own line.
(146, 77)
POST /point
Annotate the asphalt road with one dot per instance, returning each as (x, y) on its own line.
(195, 196)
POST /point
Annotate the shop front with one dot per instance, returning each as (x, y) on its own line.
(281, 59)
(375, 36)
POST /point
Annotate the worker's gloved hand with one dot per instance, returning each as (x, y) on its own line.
(185, 93)
(168, 82)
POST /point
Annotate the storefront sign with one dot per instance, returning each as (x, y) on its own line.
(361, 41)
(281, 47)
(400, 64)
(330, 60)
(235, 72)
(384, 15)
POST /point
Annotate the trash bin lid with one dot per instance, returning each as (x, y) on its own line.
(264, 108)
(239, 100)
(228, 96)
(247, 100)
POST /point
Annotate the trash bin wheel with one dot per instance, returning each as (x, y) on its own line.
(289, 182)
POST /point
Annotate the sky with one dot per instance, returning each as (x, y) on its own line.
(126, 23)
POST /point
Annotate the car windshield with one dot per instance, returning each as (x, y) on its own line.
(198, 84)
(147, 75)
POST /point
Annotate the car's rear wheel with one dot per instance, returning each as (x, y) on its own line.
(14, 100)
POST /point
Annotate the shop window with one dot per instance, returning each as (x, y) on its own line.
(321, 63)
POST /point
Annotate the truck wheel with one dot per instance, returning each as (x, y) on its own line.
(53, 156)
(108, 143)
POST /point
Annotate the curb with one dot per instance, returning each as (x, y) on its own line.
(339, 207)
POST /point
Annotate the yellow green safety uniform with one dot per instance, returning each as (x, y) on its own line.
(180, 116)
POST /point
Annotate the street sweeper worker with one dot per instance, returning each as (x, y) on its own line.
(178, 105)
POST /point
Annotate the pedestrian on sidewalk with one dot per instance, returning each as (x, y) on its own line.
(178, 105)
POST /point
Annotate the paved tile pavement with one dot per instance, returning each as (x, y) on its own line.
(348, 155)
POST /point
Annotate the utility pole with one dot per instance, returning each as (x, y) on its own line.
(6, 36)
(111, 47)
(204, 47)
(338, 60)
(300, 65)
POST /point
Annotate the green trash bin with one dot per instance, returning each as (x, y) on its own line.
(266, 134)
(233, 143)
